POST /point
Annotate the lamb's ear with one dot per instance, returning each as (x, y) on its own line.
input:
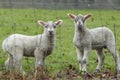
(42, 23)
(72, 16)
(59, 22)
(87, 16)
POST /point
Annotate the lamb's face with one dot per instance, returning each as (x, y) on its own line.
(50, 27)
(79, 21)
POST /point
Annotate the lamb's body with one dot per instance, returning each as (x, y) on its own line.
(38, 46)
(87, 39)
(102, 37)
(28, 44)
(97, 38)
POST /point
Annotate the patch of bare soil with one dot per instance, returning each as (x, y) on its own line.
(68, 74)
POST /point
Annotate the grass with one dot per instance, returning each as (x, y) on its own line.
(24, 21)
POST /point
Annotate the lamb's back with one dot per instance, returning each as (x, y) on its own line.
(26, 43)
(100, 36)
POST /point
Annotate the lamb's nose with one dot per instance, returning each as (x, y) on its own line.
(79, 23)
(51, 32)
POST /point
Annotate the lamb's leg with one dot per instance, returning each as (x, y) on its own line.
(80, 56)
(113, 51)
(17, 60)
(39, 57)
(9, 63)
(100, 54)
(39, 60)
(85, 58)
(18, 65)
(39, 63)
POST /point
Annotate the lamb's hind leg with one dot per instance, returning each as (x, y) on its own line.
(115, 55)
(9, 63)
(17, 60)
(100, 54)
(18, 65)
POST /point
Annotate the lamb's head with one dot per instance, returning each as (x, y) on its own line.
(79, 20)
(50, 26)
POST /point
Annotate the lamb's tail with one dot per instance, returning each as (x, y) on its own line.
(4, 46)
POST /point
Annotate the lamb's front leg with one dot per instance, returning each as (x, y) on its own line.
(85, 58)
(39, 60)
(80, 56)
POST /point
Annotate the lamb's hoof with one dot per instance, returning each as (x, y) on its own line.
(84, 72)
(97, 71)
(24, 74)
(118, 76)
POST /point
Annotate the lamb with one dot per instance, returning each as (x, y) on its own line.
(97, 39)
(38, 46)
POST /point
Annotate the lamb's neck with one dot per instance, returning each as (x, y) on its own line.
(50, 39)
(80, 31)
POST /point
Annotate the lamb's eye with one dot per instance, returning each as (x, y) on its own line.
(76, 19)
(54, 26)
(46, 26)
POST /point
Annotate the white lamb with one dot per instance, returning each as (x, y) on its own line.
(87, 39)
(38, 46)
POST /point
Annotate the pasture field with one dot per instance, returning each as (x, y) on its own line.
(24, 21)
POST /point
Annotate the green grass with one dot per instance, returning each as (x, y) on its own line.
(24, 21)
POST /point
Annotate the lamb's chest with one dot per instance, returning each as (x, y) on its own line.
(78, 43)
